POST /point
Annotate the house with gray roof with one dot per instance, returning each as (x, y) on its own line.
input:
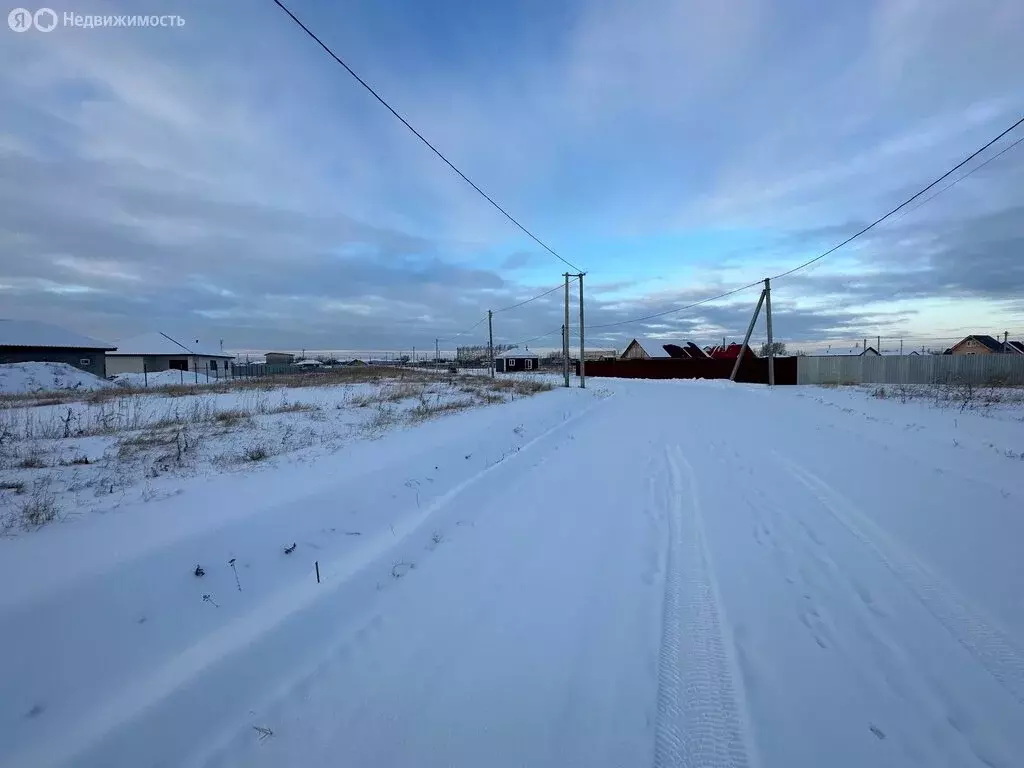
(31, 341)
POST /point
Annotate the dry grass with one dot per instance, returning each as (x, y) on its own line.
(294, 408)
(231, 417)
(18, 486)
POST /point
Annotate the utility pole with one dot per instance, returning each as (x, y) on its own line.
(901, 347)
(490, 341)
(746, 339)
(768, 319)
(583, 375)
(878, 344)
(437, 355)
(565, 346)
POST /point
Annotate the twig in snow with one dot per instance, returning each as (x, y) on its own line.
(199, 571)
(289, 550)
(353, 533)
(208, 599)
(263, 732)
(238, 584)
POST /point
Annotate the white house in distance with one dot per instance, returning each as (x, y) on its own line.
(153, 352)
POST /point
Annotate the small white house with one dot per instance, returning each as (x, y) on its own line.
(515, 360)
(153, 352)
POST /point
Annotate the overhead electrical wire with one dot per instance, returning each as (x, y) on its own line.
(853, 237)
(534, 298)
(420, 136)
(906, 202)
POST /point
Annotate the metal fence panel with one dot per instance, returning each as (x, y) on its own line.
(979, 370)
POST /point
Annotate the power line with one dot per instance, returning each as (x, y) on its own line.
(468, 330)
(677, 309)
(953, 183)
(850, 239)
(558, 287)
(906, 202)
(420, 136)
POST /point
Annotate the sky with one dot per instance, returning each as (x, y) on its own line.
(226, 180)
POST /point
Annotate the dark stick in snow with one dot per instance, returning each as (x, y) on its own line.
(238, 584)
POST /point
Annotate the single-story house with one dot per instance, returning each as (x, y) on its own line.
(279, 358)
(731, 352)
(645, 349)
(309, 364)
(977, 344)
(515, 360)
(1015, 347)
(154, 352)
(28, 341)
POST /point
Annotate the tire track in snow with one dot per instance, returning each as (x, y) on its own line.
(176, 672)
(977, 633)
(699, 722)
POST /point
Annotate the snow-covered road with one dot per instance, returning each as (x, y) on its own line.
(642, 574)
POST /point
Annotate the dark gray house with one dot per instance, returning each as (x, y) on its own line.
(516, 360)
(27, 341)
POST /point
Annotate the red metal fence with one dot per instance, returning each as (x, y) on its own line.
(753, 370)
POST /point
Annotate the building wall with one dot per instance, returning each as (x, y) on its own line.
(96, 357)
(635, 352)
(971, 347)
(279, 358)
(502, 366)
(156, 363)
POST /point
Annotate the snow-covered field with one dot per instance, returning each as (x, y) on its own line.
(642, 573)
(23, 378)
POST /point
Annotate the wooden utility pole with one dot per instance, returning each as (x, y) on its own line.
(437, 354)
(490, 340)
(746, 339)
(768, 322)
(583, 375)
(565, 346)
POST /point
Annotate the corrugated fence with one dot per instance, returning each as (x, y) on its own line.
(980, 370)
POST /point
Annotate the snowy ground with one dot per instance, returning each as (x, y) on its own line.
(642, 573)
(22, 378)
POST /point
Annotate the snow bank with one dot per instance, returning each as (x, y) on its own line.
(22, 378)
(163, 379)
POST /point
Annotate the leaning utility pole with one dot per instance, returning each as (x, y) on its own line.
(490, 341)
(583, 375)
(768, 323)
(746, 339)
(565, 344)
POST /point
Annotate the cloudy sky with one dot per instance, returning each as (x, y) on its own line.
(227, 180)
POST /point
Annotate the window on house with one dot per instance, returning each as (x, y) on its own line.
(529, 365)
(213, 365)
(510, 363)
(177, 365)
(85, 361)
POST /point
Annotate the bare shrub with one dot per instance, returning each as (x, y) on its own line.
(257, 451)
(75, 461)
(18, 486)
(34, 459)
(231, 417)
(40, 507)
(294, 408)
(425, 411)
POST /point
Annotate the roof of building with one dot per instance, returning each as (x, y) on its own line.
(730, 352)
(984, 339)
(653, 347)
(161, 344)
(32, 333)
(518, 353)
(1016, 346)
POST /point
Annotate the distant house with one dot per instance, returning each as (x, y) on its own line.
(279, 358)
(1015, 347)
(311, 364)
(645, 349)
(869, 352)
(26, 341)
(687, 351)
(599, 354)
(154, 352)
(730, 352)
(516, 360)
(977, 344)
